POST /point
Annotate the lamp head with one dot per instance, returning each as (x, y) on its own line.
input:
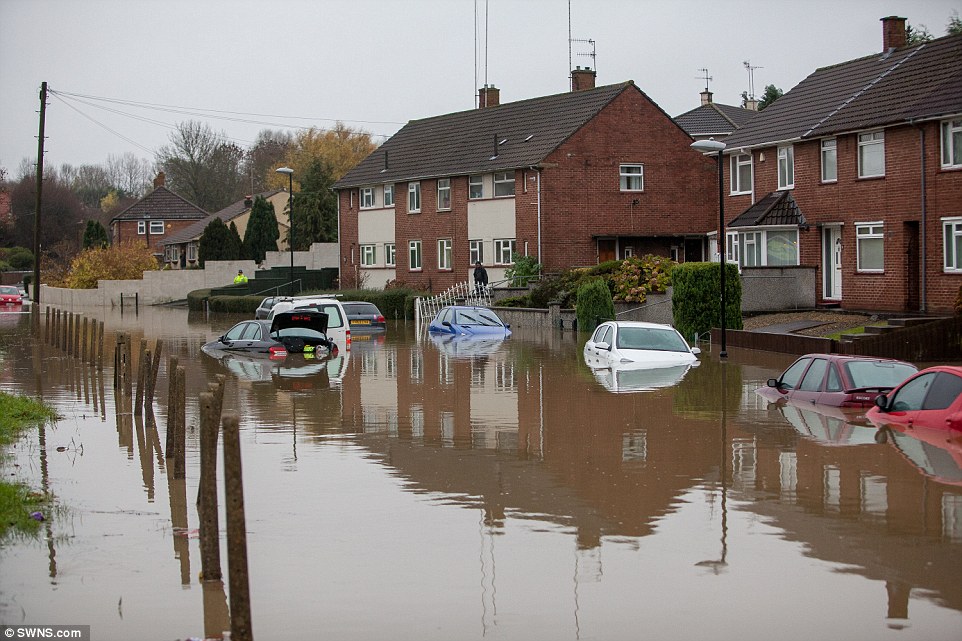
(285, 170)
(705, 146)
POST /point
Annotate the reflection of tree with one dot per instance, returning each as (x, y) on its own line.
(700, 393)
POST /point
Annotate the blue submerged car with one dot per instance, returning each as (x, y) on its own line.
(468, 321)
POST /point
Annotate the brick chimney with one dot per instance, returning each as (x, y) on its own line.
(489, 96)
(582, 79)
(705, 97)
(160, 180)
(893, 33)
(751, 104)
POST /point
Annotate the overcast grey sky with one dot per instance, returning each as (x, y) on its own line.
(376, 64)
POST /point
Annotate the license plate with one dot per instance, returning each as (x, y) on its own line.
(360, 322)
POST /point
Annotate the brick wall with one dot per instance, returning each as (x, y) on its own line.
(125, 231)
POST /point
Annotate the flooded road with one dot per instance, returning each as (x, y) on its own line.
(420, 489)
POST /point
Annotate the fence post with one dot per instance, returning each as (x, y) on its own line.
(207, 489)
(239, 586)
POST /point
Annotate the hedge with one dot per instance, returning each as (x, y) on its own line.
(594, 304)
(696, 299)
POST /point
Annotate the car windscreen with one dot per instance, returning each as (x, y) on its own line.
(874, 374)
(10, 291)
(478, 317)
(653, 338)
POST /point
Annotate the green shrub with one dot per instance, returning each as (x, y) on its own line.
(696, 299)
(525, 271)
(235, 304)
(196, 298)
(636, 277)
(514, 301)
(594, 304)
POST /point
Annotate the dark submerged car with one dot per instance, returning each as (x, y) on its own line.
(295, 331)
(364, 317)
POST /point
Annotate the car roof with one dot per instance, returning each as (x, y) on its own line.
(845, 358)
(638, 324)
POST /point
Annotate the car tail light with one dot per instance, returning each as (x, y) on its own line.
(278, 351)
(348, 338)
(380, 319)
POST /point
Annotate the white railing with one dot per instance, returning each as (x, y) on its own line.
(464, 293)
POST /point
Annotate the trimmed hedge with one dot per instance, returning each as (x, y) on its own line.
(696, 299)
(594, 304)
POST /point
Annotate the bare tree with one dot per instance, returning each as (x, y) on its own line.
(202, 166)
(129, 174)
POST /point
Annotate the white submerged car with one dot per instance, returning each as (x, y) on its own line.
(649, 345)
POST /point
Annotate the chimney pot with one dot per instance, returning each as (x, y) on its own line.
(489, 96)
(160, 180)
(582, 79)
(706, 97)
(893, 33)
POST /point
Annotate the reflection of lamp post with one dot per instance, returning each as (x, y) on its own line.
(718, 566)
(290, 217)
(707, 146)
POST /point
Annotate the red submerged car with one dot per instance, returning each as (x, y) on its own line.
(931, 399)
(10, 295)
(837, 380)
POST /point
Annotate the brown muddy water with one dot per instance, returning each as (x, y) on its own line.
(417, 490)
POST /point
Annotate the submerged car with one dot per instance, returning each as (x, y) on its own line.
(653, 344)
(837, 380)
(338, 330)
(364, 317)
(264, 309)
(10, 295)
(299, 331)
(931, 399)
(624, 378)
(465, 321)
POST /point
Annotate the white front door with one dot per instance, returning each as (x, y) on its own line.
(832, 262)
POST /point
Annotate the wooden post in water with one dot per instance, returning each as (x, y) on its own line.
(141, 377)
(152, 370)
(46, 327)
(119, 361)
(100, 345)
(128, 367)
(83, 340)
(207, 489)
(180, 437)
(75, 338)
(55, 334)
(171, 406)
(237, 580)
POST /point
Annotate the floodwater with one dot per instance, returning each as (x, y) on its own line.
(421, 490)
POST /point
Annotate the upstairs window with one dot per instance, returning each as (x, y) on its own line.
(504, 183)
(389, 195)
(871, 154)
(829, 161)
(156, 227)
(444, 253)
(476, 253)
(414, 197)
(141, 226)
(444, 194)
(952, 143)
(632, 177)
(475, 187)
(503, 251)
(414, 255)
(367, 197)
(368, 255)
(741, 171)
(870, 246)
(786, 167)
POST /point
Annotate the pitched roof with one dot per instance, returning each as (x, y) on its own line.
(226, 214)
(894, 87)
(776, 208)
(508, 136)
(161, 204)
(714, 119)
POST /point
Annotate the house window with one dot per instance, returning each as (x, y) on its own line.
(414, 251)
(870, 246)
(829, 161)
(786, 167)
(174, 253)
(444, 194)
(952, 143)
(475, 187)
(952, 238)
(389, 195)
(367, 197)
(156, 227)
(503, 251)
(192, 252)
(141, 227)
(504, 183)
(763, 248)
(751, 246)
(741, 171)
(477, 251)
(414, 197)
(368, 255)
(781, 247)
(389, 259)
(444, 253)
(731, 247)
(632, 177)
(871, 154)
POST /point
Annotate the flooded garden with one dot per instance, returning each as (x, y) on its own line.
(411, 488)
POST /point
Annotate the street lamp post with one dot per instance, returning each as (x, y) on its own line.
(709, 146)
(290, 216)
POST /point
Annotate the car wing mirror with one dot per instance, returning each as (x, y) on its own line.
(696, 351)
(223, 339)
(772, 382)
(446, 323)
(882, 402)
(603, 346)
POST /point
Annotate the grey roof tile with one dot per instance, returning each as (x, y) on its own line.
(226, 214)
(776, 208)
(164, 204)
(714, 119)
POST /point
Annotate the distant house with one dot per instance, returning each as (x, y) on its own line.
(857, 171)
(181, 248)
(154, 218)
(572, 179)
(714, 120)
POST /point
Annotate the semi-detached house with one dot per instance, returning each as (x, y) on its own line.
(572, 179)
(857, 172)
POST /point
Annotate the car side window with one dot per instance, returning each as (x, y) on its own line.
(252, 333)
(794, 373)
(608, 334)
(813, 377)
(236, 332)
(834, 381)
(334, 318)
(945, 389)
(598, 334)
(912, 394)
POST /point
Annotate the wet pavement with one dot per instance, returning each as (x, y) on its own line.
(422, 489)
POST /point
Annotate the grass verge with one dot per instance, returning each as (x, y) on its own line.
(18, 502)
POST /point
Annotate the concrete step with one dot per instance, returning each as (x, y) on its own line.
(911, 321)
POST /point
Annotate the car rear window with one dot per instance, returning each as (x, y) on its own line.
(361, 308)
(868, 374)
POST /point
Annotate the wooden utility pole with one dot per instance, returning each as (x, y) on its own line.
(35, 289)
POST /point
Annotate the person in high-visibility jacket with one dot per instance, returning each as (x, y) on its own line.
(240, 278)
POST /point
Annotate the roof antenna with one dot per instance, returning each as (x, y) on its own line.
(706, 77)
(751, 78)
(592, 55)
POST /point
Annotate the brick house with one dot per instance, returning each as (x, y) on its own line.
(857, 172)
(714, 120)
(154, 217)
(571, 179)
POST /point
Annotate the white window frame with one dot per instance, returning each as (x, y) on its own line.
(368, 255)
(631, 177)
(444, 194)
(786, 167)
(871, 142)
(390, 255)
(475, 186)
(191, 251)
(415, 263)
(951, 137)
(952, 245)
(476, 251)
(743, 243)
(154, 224)
(366, 198)
(414, 197)
(504, 251)
(445, 254)
(174, 253)
(738, 161)
(502, 180)
(388, 195)
(142, 227)
(829, 156)
(873, 231)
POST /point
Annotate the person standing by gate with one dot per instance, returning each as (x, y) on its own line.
(480, 277)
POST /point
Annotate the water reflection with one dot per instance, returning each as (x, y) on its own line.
(504, 483)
